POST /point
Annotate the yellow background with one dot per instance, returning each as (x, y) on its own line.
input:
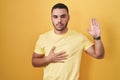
(21, 22)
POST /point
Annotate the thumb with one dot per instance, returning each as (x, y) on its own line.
(86, 29)
(52, 49)
(90, 32)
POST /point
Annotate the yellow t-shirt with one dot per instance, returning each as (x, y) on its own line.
(73, 43)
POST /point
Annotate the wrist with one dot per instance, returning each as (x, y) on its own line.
(97, 38)
(47, 59)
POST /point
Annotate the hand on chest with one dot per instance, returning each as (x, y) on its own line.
(68, 44)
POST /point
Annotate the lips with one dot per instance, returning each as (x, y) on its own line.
(59, 24)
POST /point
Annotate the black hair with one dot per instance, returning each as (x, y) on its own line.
(60, 6)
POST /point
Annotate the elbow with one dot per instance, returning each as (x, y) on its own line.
(101, 56)
(35, 63)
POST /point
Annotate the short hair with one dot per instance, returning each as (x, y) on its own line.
(60, 6)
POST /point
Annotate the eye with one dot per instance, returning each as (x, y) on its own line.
(55, 16)
(63, 16)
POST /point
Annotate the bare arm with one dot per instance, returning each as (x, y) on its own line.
(97, 50)
(40, 60)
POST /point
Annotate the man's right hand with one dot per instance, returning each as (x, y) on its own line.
(39, 60)
(56, 57)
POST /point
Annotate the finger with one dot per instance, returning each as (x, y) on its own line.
(61, 53)
(96, 23)
(91, 32)
(62, 57)
(52, 49)
(87, 29)
(60, 60)
(92, 21)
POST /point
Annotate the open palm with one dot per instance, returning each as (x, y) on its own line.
(95, 28)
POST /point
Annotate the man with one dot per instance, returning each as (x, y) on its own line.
(59, 50)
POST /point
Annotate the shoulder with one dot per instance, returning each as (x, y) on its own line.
(45, 35)
(76, 33)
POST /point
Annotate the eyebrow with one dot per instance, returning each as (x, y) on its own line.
(63, 15)
(60, 15)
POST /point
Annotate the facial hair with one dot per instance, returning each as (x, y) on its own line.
(63, 28)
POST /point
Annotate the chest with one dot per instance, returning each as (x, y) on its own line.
(71, 44)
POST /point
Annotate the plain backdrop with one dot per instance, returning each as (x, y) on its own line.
(22, 21)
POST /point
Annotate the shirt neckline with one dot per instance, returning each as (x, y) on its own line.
(60, 35)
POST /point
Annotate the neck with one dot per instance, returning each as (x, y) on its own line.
(60, 32)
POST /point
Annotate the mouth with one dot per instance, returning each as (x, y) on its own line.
(59, 24)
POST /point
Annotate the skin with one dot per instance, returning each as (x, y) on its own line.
(60, 19)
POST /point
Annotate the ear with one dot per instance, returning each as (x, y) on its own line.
(68, 17)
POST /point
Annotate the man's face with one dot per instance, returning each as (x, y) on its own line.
(60, 18)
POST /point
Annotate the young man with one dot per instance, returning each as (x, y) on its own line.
(59, 50)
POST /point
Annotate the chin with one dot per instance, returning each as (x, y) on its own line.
(60, 29)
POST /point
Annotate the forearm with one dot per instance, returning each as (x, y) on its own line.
(99, 49)
(40, 62)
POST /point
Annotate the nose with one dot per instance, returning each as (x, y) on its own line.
(59, 19)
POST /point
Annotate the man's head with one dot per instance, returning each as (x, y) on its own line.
(60, 16)
(60, 6)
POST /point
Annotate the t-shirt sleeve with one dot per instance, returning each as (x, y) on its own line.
(87, 43)
(39, 48)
